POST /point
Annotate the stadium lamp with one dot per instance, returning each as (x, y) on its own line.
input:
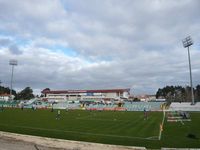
(13, 63)
(187, 42)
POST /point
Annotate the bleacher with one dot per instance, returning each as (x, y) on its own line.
(126, 106)
(34, 103)
(140, 106)
(9, 103)
(61, 105)
(184, 106)
(41, 104)
(101, 107)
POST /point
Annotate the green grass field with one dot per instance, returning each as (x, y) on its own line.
(121, 128)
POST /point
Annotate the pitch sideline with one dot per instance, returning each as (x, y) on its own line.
(86, 133)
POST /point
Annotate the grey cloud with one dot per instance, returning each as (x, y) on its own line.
(151, 26)
(140, 42)
(5, 42)
(56, 71)
(15, 50)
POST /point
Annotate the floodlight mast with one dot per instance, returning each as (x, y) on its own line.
(187, 42)
(13, 63)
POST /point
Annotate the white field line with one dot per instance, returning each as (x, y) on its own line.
(174, 117)
(93, 117)
(161, 125)
(153, 137)
(87, 116)
(80, 118)
(83, 133)
(178, 120)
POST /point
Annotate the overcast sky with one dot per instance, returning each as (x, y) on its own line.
(97, 44)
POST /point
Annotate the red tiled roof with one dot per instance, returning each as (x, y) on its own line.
(5, 94)
(85, 91)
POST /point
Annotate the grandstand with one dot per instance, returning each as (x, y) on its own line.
(140, 106)
(85, 105)
(126, 106)
(92, 105)
(85, 95)
(184, 106)
(9, 103)
(102, 105)
(33, 103)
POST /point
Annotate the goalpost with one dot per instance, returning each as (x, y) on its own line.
(178, 116)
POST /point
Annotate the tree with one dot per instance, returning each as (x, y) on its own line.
(188, 94)
(197, 93)
(6, 90)
(177, 93)
(159, 93)
(25, 94)
(136, 99)
(167, 92)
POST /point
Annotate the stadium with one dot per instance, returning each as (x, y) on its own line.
(99, 74)
(104, 116)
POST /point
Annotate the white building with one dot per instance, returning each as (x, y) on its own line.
(5, 97)
(84, 95)
(147, 98)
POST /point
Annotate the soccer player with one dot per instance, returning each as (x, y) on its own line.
(66, 109)
(2, 107)
(52, 109)
(58, 115)
(145, 114)
(22, 106)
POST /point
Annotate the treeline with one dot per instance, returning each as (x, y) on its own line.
(25, 94)
(6, 90)
(178, 93)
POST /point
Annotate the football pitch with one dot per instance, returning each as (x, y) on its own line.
(110, 127)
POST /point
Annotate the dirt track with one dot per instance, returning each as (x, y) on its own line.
(12, 141)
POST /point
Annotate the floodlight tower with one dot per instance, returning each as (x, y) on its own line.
(13, 63)
(187, 42)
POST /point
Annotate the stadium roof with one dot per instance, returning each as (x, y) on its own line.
(45, 91)
(4, 95)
